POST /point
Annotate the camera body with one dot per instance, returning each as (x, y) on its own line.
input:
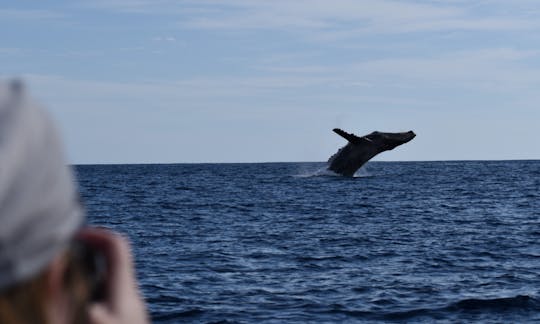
(93, 266)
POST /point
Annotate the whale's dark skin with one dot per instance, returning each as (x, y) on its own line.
(359, 150)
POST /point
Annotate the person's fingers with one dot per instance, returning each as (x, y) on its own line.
(97, 314)
(123, 303)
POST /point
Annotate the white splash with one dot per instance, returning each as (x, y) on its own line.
(324, 172)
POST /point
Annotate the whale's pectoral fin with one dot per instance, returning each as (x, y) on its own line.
(350, 137)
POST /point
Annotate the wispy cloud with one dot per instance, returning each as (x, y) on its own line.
(339, 19)
(164, 39)
(318, 14)
(10, 50)
(493, 70)
(148, 7)
(27, 14)
(171, 91)
(347, 19)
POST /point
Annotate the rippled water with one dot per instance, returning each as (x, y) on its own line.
(288, 242)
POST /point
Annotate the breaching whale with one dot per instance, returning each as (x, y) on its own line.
(359, 150)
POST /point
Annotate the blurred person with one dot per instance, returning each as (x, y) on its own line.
(43, 276)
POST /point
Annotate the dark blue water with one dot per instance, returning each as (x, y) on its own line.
(286, 242)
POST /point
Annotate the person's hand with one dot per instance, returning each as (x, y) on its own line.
(123, 303)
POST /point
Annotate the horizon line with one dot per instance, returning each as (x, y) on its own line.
(280, 162)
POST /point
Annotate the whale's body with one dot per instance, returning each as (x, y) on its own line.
(359, 150)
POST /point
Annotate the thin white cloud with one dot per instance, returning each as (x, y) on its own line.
(193, 90)
(28, 14)
(349, 18)
(10, 50)
(148, 7)
(82, 53)
(342, 18)
(305, 69)
(164, 39)
(493, 70)
(317, 14)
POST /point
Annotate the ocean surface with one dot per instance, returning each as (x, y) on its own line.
(415, 242)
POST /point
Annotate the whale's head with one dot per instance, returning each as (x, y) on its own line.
(389, 141)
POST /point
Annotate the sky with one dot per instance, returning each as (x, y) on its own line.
(196, 81)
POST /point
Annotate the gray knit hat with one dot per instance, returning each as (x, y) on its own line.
(39, 204)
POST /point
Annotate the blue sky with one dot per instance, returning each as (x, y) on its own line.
(140, 81)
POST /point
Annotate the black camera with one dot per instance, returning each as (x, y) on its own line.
(93, 265)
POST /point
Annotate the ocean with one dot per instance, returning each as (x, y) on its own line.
(415, 242)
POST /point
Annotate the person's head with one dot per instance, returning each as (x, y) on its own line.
(40, 213)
